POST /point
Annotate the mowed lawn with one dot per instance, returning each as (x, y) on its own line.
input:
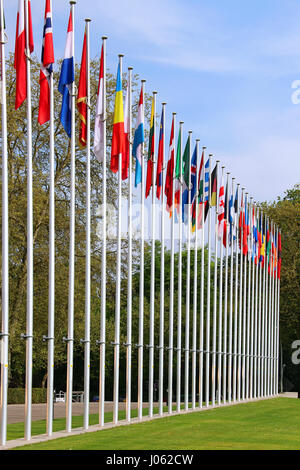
(268, 424)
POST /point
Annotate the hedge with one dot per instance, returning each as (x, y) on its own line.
(16, 396)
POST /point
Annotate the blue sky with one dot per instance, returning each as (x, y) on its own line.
(226, 68)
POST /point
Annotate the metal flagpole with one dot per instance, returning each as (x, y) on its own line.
(257, 327)
(70, 338)
(201, 325)
(272, 318)
(253, 321)
(278, 319)
(230, 298)
(194, 336)
(240, 309)
(207, 365)
(5, 234)
(152, 279)
(188, 274)
(51, 300)
(250, 249)
(179, 313)
(269, 316)
(162, 279)
(141, 288)
(116, 342)
(214, 342)
(220, 332)
(103, 265)
(266, 323)
(29, 311)
(129, 278)
(225, 354)
(263, 345)
(244, 316)
(219, 383)
(235, 355)
(87, 346)
(171, 316)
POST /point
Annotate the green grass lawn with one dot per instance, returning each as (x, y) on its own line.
(269, 424)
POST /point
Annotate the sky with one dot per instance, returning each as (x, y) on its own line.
(228, 69)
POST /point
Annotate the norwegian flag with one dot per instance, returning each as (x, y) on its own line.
(47, 61)
(20, 56)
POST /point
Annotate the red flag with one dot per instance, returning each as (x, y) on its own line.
(20, 57)
(279, 256)
(82, 97)
(170, 171)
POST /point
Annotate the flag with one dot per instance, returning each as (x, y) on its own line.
(200, 193)
(125, 166)
(279, 256)
(242, 227)
(82, 96)
(160, 156)
(178, 170)
(170, 172)
(118, 137)
(99, 119)
(221, 213)
(213, 187)
(67, 77)
(138, 140)
(1, 78)
(150, 152)
(20, 57)
(206, 189)
(193, 187)
(185, 180)
(47, 61)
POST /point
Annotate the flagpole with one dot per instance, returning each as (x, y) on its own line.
(257, 336)
(179, 314)
(29, 310)
(240, 309)
(278, 319)
(253, 337)
(141, 287)
(225, 297)
(103, 264)
(116, 343)
(220, 312)
(250, 249)
(244, 315)
(188, 274)
(87, 347)
(70, 338)
(5, 239)
(269, 315)
(162, 279)
(171, 316)
(129, 278)
(201, 325)
(236, 300)
(214, 347)
(207, 365)
(230, 302)
(51, 300)
(194, 337)
(152, 280)
(263, 383)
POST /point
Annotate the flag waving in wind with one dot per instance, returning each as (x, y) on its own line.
(150, 152)
(82, 96)
(138, 140)
(170, 172)
(20, 57)
(160, 156)
(66, 79)
(47, 62)
(118, 137)
(99, 119)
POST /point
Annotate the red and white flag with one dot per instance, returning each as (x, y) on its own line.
(170, 172)
(47, 62)
(20, 56)
(99, 120)
(221, 213)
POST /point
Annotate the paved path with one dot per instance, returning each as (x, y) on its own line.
(16, 413)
